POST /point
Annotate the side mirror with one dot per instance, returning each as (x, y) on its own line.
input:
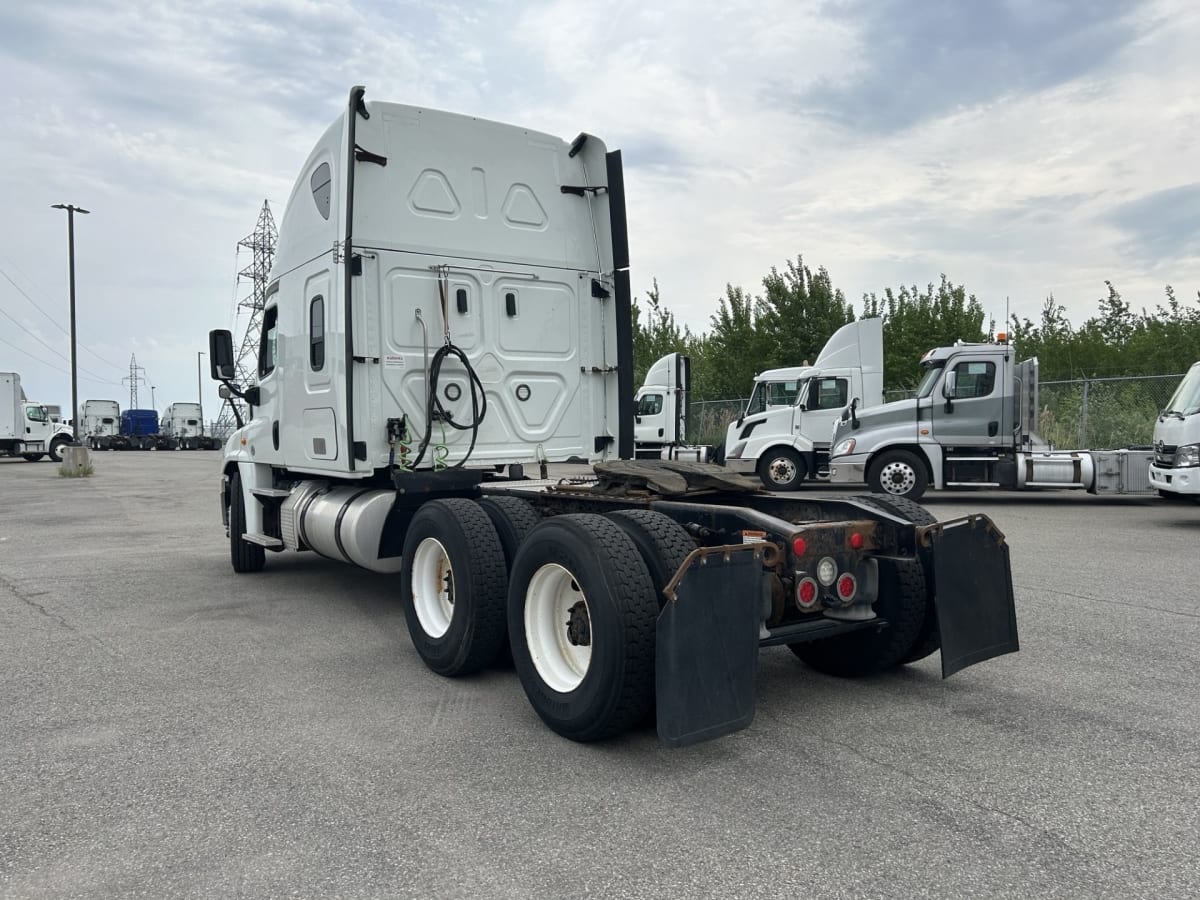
(225, 391)
(949, 385)
(854, 418)
(222, 366)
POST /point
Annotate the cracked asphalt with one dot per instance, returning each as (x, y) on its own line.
(169, 729)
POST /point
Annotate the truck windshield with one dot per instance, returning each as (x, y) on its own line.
(35, 413)
(772, 393)
(1186, 399)
(925, 388)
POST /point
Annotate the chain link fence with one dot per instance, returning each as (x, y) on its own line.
(1102, 413)
(1085, 413)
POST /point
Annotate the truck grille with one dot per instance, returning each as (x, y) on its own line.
(1164, 454)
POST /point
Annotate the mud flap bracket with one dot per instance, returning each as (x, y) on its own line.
(707, 644)
(973, 591)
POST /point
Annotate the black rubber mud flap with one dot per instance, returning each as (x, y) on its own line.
(976, 614)
(707, 653)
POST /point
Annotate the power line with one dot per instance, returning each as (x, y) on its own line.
(50, 318)
(44, 344)
(49, 365)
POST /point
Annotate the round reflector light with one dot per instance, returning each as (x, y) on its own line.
(846, 586)
(826, 570)
(856, 541)
(799, 547)
(806, 592)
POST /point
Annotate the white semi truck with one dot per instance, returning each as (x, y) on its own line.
(183, 423)
(1175, 471)
(100, 423)
(25, 427)
(972, 424)
(784, 433)
(660, 429)
(450, 303)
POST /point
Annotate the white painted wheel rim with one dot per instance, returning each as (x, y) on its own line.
(898, 478)
(552, 594)
(433, 587)
(782, 470)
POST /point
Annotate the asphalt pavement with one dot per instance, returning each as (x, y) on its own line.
(171, 729)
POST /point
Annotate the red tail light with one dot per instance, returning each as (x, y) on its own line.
(846, 586)
(856, 541)
(799, 546)
(806, 593)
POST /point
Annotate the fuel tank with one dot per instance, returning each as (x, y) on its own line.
(342, 523)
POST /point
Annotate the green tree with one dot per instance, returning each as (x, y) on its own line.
(797, 314)
(915, 321)
(660, 334)
(735, 350)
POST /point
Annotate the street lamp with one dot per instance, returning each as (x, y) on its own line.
(71, 210)
(152, 403)
(200, 388)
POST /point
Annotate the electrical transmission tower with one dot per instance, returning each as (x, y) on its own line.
(133, 378)
(261, 244)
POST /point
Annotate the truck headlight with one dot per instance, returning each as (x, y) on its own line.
(1187, 455)
(846, 446)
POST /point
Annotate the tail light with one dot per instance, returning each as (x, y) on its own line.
(847, 586)
(806, 593)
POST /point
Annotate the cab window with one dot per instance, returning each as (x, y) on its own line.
(650, 405)
(267, 349)
(974, 379)
(35, 413)
(316, 333)
(772, 393)
(827, 393)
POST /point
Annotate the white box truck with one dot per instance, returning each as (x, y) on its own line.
(450, 302)
(25, 428)
(1175, 471)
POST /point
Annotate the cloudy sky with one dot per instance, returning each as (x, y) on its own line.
(1021, 147)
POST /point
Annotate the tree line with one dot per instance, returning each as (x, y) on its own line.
(799, 308)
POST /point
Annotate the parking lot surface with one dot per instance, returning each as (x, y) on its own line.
(171, 729)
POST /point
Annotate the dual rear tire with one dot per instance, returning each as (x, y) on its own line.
(577, 595)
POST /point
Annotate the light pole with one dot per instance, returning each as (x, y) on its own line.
(71, 210)
(152, 403)
(200, 388)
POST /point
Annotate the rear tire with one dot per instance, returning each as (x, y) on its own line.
(782, 469)
(32, 457)
(56, 450)
(453, 578)
(513, 519)
(928, 639)
(581, 619)
(898, 473)
(902, 601)
(245, 556)
(661, 541)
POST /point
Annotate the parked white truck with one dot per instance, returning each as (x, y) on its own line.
(184, 424)
(25, 428)
(660, 429)
(973, 423)
(783, 435)
(100, 423)
(450, 302)
(1175, 471)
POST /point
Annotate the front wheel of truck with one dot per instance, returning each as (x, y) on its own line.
(453, 583)
(245, 556)
(898, 473)
(581, 622)
(782, 469)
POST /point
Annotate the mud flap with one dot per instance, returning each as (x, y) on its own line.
(707, 644)
(977, 617)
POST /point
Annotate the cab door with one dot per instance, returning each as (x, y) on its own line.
(968, 407)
